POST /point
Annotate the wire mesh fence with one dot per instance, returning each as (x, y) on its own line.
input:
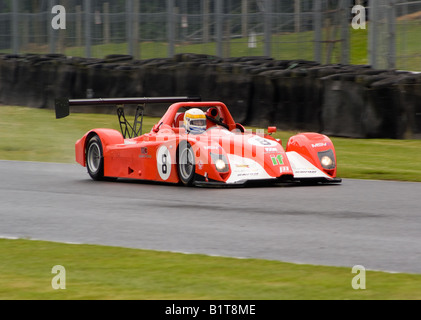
(317, 30)
(408, 31)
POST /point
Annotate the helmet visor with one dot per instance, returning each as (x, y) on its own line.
(198, 122)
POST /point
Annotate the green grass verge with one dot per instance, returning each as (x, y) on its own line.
(379, 159)
(29, 134)
(99, 272)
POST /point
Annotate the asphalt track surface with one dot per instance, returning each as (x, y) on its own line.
(376, 224)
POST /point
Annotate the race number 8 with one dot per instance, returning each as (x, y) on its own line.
(163, 162)
(261, 141)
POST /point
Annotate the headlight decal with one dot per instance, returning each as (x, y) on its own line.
(327, 159)
(220, 161)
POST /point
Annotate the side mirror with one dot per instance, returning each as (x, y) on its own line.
(271, 130)
(156, 127)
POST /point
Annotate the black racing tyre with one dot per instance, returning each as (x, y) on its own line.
(186, 166)
(95, 158)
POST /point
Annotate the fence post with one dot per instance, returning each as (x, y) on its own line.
(205, 10)
(15, 26)
(136, 23)
(268, 27)
(297, 15)
(106, 25)
(51, 33)
(391, 17)
(218, 27)
(132, 27)
(129, 26)
(372, 33)
(244, 18)
(88, 28)
(317, 7)
(381, 31)
(79, 19)
(170, 28)
(345, 47)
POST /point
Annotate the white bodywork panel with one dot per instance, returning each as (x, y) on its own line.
(302, 168)
(245, 169)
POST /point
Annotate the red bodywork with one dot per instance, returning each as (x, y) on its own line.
(248, 155)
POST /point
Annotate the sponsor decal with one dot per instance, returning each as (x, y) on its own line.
(269, 150)
(320, 144)
(144, 153)
(248, 174)
(284, 169)
(308, 171)
(277, 160)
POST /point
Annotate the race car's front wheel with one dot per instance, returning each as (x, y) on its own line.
(95, 158)
(186, 163)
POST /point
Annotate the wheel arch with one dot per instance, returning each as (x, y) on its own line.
(107, 137)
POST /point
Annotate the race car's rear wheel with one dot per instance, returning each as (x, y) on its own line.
(95, 158)
(186, 163)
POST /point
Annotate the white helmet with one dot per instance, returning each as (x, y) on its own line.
(195, 121)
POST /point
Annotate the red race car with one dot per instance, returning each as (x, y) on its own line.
(198, 143)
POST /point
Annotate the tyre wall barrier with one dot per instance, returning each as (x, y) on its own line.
(338, 100)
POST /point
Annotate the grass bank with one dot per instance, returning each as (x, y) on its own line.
(100, 272)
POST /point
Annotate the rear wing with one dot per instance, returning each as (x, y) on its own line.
(62, 107)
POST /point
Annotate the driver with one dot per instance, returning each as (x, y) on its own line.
(195, 121)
